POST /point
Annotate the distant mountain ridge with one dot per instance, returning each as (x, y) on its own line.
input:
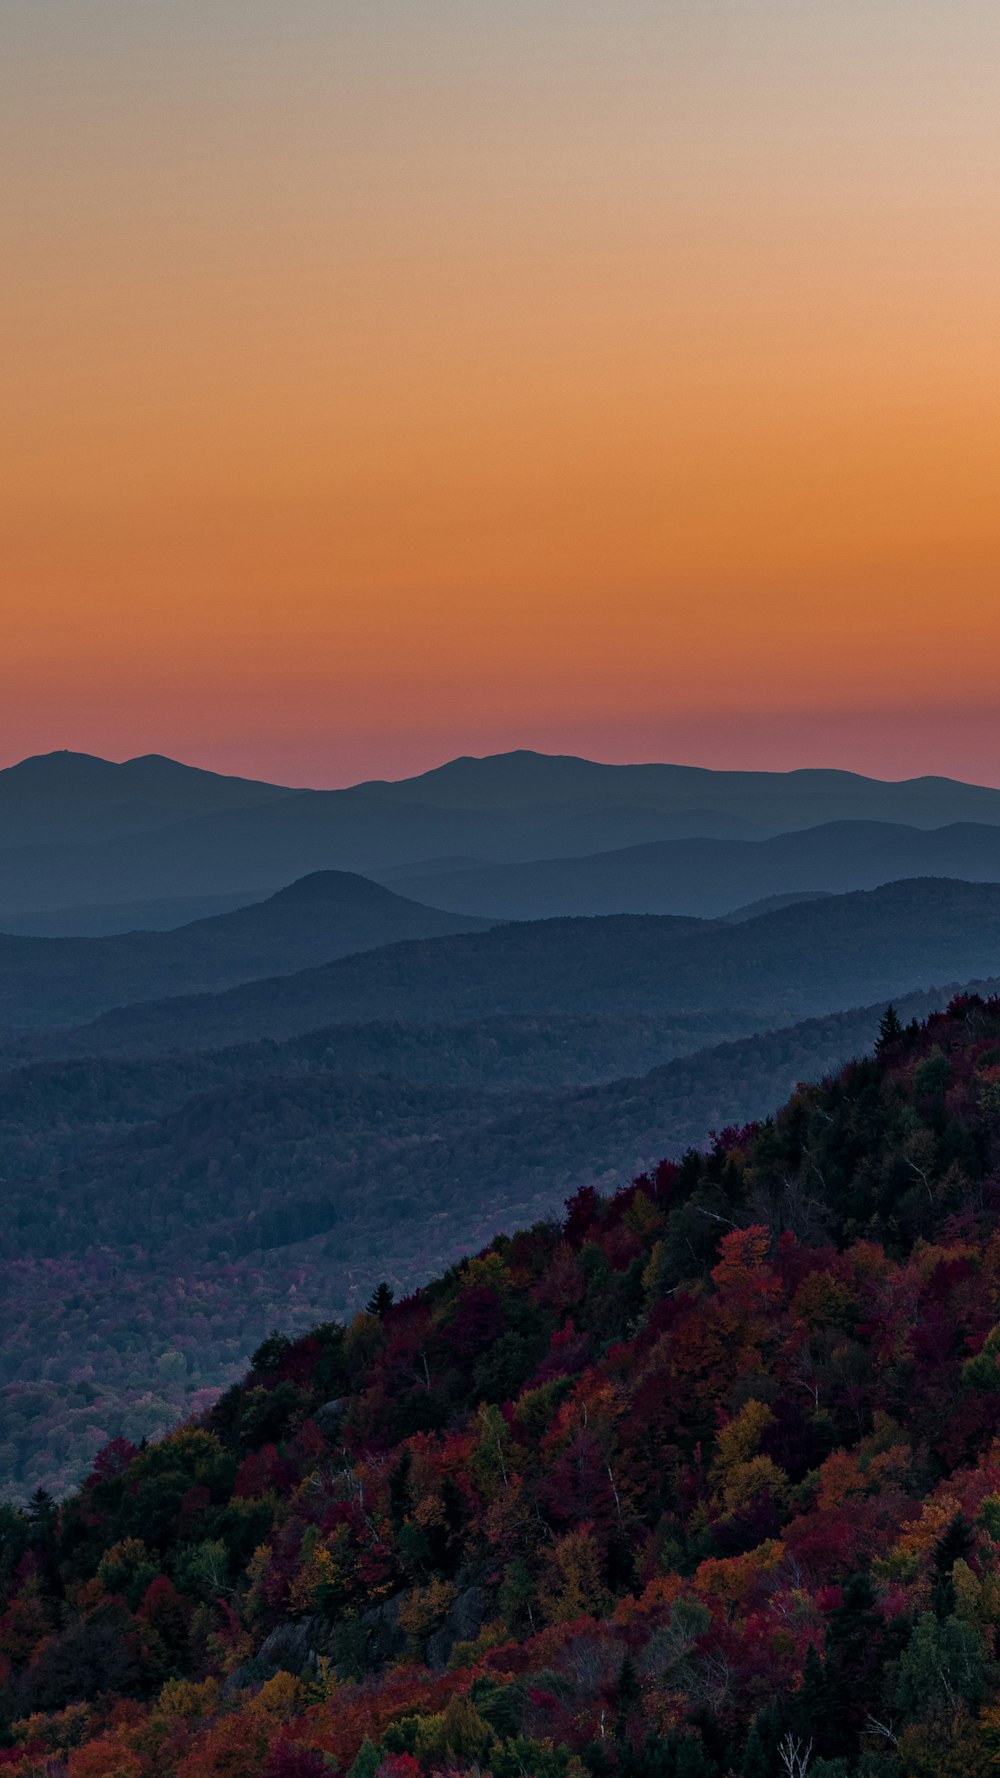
(75, 831)
(523, 776)
(327, 915)
(51, 797)
(813, 957)
(712, 877)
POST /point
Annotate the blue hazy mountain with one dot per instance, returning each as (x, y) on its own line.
(78, 832)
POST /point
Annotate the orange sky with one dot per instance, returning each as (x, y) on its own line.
(388, 381)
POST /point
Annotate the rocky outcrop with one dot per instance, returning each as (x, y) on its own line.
(463, 1624)
(376, 1638)
(328, 1418)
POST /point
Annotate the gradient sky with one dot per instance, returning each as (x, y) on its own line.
(388, 379)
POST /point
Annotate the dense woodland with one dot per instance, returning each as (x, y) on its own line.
(180, 1176)
(700, 1481)
(51, 1112)
(144, 1269)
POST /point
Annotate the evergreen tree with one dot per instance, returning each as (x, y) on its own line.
(380, 1300)
(811, 1704)
(760, 1756)
(852, 1655)
(957, 1541)
(41, 1507)
(367, 1761)
(629, 1693)
(890, 1030)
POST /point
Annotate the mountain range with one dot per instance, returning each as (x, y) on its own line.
(795, 962)
(211, 1125)
(58, 797)
(86, 833)
(714, 876)
(182, 1174)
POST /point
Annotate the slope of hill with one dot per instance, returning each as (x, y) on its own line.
(813, 957)
(104, 920)
(771, 904)
(701, 1481)
(512, 807)
(330, 914)
(712, 877)
(267, 1162)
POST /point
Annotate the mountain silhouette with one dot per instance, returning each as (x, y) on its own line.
(814, 957)
(713, 877)
(78, 832)
(326, 915)
(53, 797)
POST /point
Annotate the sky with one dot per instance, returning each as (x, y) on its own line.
(389, 379)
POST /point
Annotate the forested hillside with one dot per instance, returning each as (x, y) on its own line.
(51, 1112)
(143, 1270)
(701, 1481)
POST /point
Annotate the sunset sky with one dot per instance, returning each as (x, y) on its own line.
(389, 379)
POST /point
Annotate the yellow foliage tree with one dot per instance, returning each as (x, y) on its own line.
(572, 1586)
(425, 1608)
(280, 1698)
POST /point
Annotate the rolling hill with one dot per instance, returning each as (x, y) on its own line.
(50, 1112)
(54, 981)
(56, 797)
(794, 963)
(713, 877)
(779, 801)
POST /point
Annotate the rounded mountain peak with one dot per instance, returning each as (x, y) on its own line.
(337, 888)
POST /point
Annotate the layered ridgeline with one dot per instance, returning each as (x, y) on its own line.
(811, 957)
(48, 981)
(82, 833)
(699, 1481)
(711, 876)
(167, 1202)
(140, 1274)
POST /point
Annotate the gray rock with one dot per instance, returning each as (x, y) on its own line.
(385, 1638)
(329, 1417)
(463, 1623)
(291, 1647)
